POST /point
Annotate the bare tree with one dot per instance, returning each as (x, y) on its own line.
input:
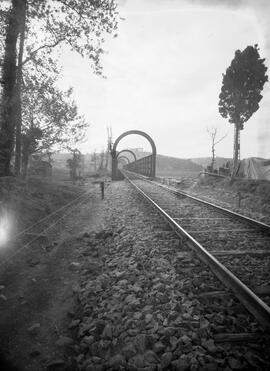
(214, 141)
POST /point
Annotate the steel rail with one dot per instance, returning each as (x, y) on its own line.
(252, 302)
(231, 213)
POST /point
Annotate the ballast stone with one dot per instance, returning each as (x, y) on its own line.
(64, 341)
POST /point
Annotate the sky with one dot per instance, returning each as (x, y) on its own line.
(164, 75)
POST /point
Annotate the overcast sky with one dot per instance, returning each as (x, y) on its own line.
(164, 75)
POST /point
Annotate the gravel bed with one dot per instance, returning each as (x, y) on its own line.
(144, 300)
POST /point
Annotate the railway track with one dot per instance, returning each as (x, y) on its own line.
(153, 304)
(236, 248)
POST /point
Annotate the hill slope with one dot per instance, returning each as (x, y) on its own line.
(173, 165)
(205, 161)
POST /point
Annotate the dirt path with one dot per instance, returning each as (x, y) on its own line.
(38, 296)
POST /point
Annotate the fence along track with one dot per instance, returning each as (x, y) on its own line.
(252, 302)
(68, 208)
(26, 230)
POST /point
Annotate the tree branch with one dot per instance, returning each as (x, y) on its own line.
(221, 139)
(40, 48)
(71, 7)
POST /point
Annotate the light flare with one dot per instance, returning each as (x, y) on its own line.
(5, 226)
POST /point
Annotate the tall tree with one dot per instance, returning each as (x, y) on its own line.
(8, 80)
(30, 142)
(18, 88)
(241, 91)
(79, 24)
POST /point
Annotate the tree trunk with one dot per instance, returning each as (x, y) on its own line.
(106, 160)
(25, 160)
(25, 155)
(74, 166)
(95, 161)
(101, 161)
(236, 149)
(213, 157)
(18, 102)
(7, 118)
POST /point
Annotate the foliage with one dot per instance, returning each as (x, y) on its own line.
(79, 24)
(241, 92)
(30, 139)
(51, 110)
(74, 163)
(242, 85)
(49, 24)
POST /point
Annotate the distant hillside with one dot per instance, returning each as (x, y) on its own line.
(174, 164)
(166, 165)
(205, 161)
(169, 166)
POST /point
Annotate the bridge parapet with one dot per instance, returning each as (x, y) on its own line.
(144, 166)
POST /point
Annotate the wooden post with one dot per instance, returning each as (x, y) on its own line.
(102, 187)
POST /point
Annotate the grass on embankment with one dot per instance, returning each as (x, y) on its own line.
(27, 201)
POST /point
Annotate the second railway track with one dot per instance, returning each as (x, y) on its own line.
(236, 248)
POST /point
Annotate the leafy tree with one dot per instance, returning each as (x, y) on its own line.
(79, 24)
(18, 86)
(74, 163)
(52, 111)
(8, 80)
(30, 142)
(241, 91)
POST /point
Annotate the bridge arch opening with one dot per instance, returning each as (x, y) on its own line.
(124, 158)
(145, 165)
(129, 151)
(122, 161)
